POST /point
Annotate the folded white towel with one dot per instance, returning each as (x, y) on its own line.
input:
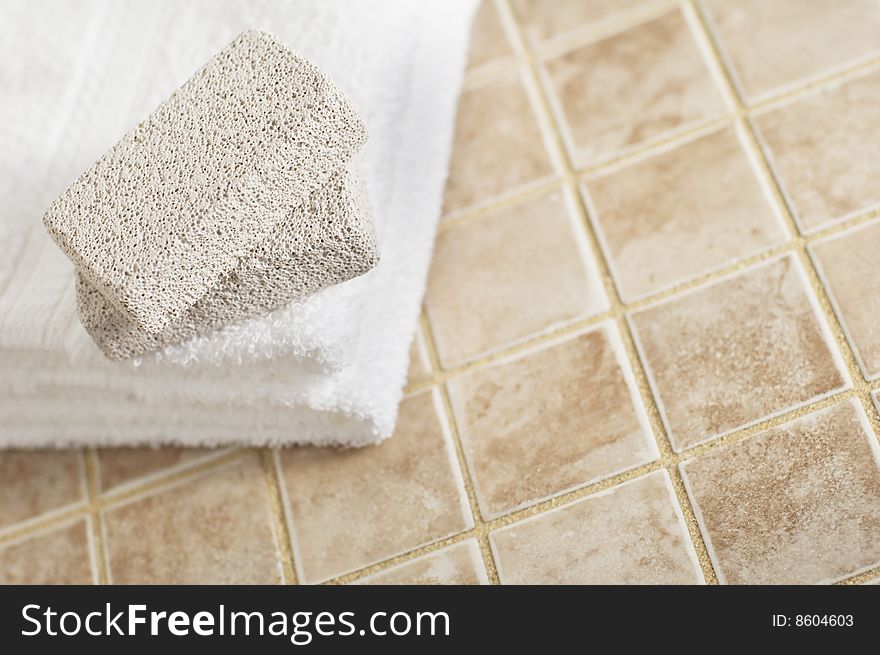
(328, 369)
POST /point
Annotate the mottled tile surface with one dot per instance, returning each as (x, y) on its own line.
(798, 504)
(539, 24)
(419, 367)
(681, 214)
(631, 534)
(737, 351)
(122, 465)
(550, 421)
(60, 556)
(34, 482)
(352, 508)
(631, 88)
(773, 43)
(490, 278)
(489, 44)
(848, 264)
(458, 564)
(498, 147)
(825, 151)
(214, 529)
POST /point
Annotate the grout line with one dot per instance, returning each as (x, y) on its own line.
(871, 575)
(174, 476)
(279, 520)
(498, 203)
(44, 523)
(402, 558)
(480, 530)
(103, 500)
(96, 524)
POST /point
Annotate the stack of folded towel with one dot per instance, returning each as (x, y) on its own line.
(268, 319)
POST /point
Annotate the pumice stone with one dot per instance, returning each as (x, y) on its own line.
(236, 196)
(324, 241)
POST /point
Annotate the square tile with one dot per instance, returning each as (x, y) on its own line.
(681, 214)
(498, 148)
(847, 264)
(825, 152)
(213, 529)
(124, 465)
(635, 87)
(38, 481)
(58, 556)
(770, 45)
(501, 278)
(458, 564)
(353, 508)
(489, 43)
(540, 23)
(798, 504)
(551, 420)
(736, 352)
(631, 534)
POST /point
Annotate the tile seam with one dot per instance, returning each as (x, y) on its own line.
(280, 527)
(96, 522)
(479, 530)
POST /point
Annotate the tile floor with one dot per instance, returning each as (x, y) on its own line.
(649, 350)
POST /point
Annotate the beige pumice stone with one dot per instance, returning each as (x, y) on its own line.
(327, 239)
(230, 199)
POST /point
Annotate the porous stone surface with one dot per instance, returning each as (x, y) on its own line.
(322, 242)
(174, 209)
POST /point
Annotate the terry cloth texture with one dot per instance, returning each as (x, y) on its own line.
(178, 220)
(328, 369)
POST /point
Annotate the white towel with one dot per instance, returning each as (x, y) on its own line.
(330, 369)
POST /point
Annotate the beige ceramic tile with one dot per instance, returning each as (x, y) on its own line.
(631, 88)
(498, 148)
(39, 481)
(60, 556)
(505, 276)
(825, 151)
(798, 504)
(737, 351)
(771, 44)
(419, 368)
(541, 22)
(489, 44)
(459, 564)
(848, 266)
(630, 534)
(682, 214)
(352, 508)
(552, 420)
(214, 529)
(122, 465)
